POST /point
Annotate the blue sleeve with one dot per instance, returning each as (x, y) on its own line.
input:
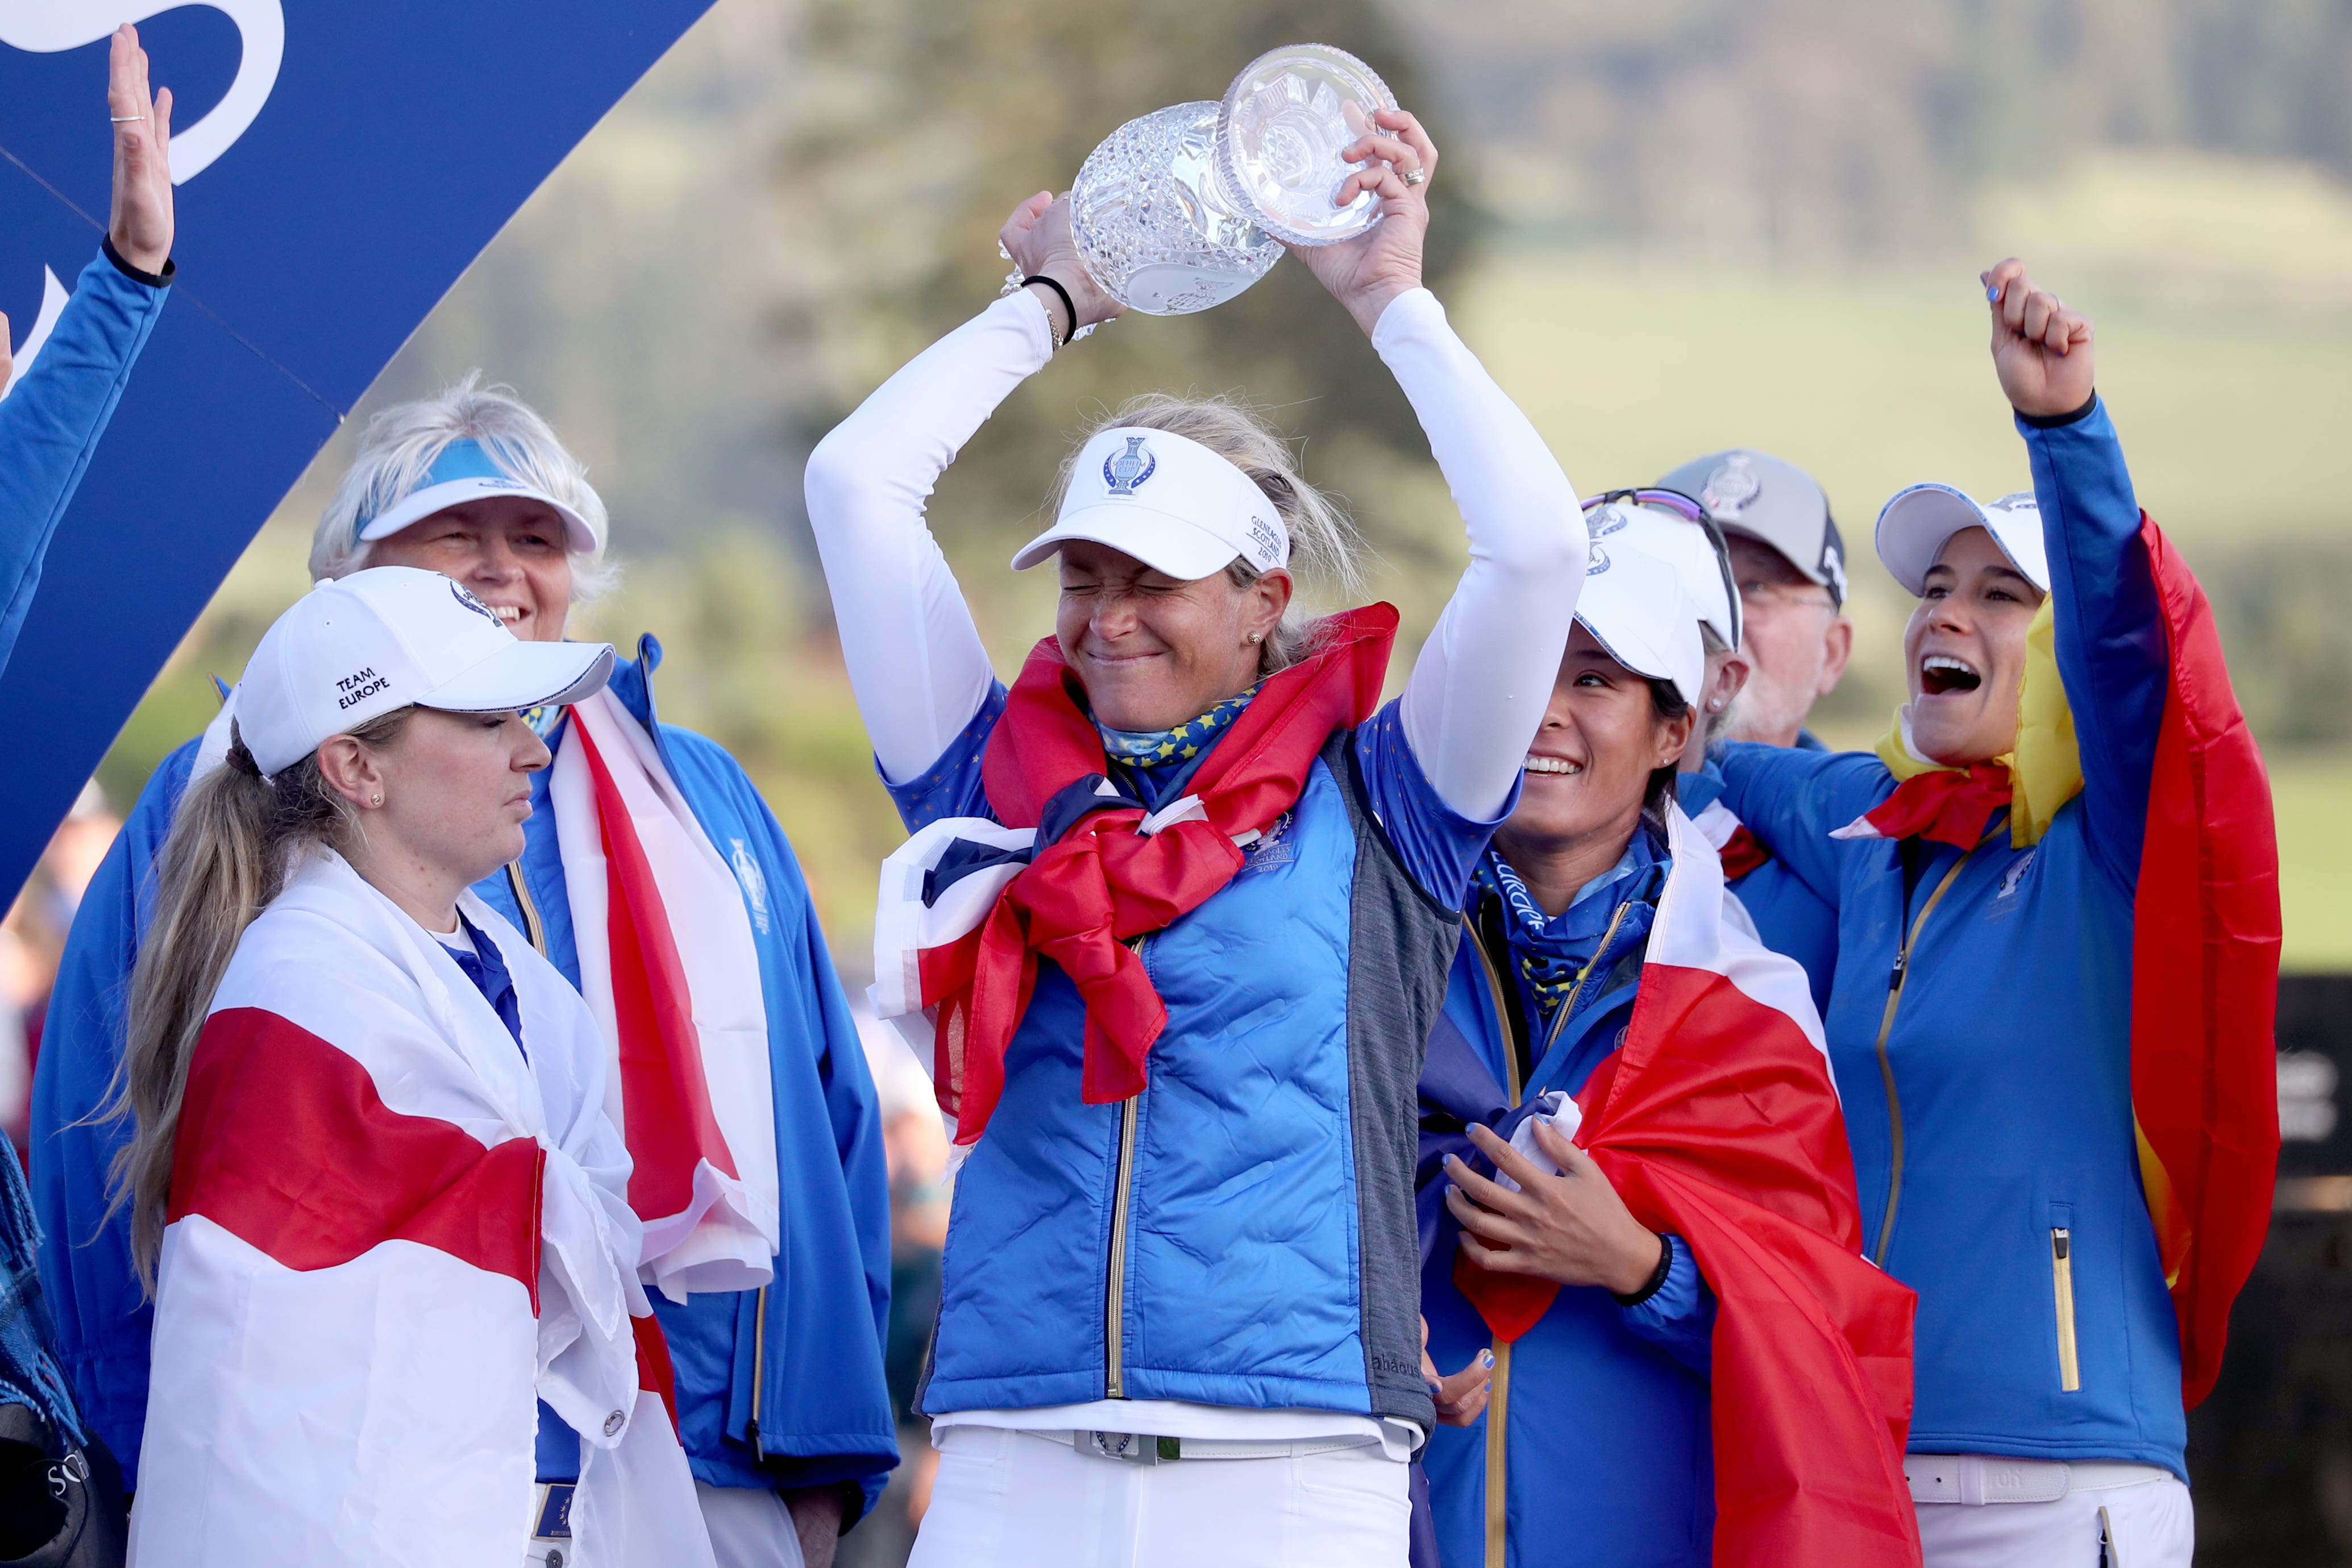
(1680, 1318)
(1437, 844)
(52, 420)
(1793, 799)
(952, 785)
(2110, 632)
(101, 1316)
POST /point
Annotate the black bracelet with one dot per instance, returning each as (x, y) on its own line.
(2061, 421)
(1657, 1278)
(1068, 304)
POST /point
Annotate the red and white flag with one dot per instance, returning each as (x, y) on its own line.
(670, 969)
(392, 1233)
(1717, 1120)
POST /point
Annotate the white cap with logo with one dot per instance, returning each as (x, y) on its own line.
(390, 637)
(1914, 526)
(1168, 501)
(1697, 556)
(1634, 606)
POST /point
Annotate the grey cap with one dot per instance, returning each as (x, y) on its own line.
(1757, 495)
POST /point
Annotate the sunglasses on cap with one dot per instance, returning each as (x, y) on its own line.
(1689, 510)
(1674, 501)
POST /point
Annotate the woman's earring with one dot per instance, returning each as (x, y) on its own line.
(375, 800)
(1257, 636)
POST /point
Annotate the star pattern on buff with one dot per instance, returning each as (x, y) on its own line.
(1166, 747)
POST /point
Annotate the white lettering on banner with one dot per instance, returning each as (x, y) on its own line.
(50, 27)
(53, 304)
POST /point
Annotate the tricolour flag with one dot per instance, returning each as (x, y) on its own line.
(1717, 1120)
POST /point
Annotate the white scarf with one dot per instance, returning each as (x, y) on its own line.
(723, 1232)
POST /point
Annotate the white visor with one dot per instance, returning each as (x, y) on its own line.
(392, 637)
(1634, 606)
(1170, 502)
(1914, 526)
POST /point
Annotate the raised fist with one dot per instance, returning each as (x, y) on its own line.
(2040, 349)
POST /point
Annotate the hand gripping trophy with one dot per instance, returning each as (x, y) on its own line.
(1186, 207)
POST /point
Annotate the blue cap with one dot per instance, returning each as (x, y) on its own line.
(467, 471)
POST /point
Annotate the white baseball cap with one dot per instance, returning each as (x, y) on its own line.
(1168, 501)
(1914, 526)
(1695, 551)
(387, 637)
(467, 470)
(1634, 606)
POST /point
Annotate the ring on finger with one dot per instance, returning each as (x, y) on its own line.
(1412, 176)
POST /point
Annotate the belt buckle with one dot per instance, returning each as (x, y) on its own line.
(1135, 1447)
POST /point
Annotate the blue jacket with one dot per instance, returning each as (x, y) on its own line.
(52, 420)
(1791, 919)
(777, 1388)
(1609, 1456)
(1240, 1233)
(1993, 1133)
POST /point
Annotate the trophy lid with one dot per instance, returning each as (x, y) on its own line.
(1279, 135)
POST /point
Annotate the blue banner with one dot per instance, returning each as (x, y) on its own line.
(338, 165)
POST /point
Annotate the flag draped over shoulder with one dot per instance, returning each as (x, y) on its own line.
(670, 970)
(2205, 954)
(1073, 870)
(1717, 1120)
(391, 1234)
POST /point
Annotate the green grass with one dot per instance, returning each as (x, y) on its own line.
(2311, 790)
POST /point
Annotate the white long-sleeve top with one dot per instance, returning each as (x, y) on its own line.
(1479, 689)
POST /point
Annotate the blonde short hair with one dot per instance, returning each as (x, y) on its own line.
(398, 451)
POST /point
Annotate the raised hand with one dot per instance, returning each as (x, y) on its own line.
(1366, 272)
(1571, 1227)
(2041, 350)
(141, 222)
(1037, 236)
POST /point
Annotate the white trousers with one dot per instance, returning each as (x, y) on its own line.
(1014, 1499)
(749, 1528)
(2150, 1525)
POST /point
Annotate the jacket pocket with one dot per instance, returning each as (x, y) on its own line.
(2062, 1286)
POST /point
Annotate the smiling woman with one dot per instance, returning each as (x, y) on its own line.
(1213, 870)
(2050, 1017)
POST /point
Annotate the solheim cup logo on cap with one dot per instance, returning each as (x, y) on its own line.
(1612, 519)
(1596, 562)
(464, 596)
(1732, 488)
(2018, 501)
(1123, 471)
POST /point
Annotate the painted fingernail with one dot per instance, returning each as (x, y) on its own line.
(1992, 292)
(1434, 1386)
(1485, 1358)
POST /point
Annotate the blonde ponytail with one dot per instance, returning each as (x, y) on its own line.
(225, 861)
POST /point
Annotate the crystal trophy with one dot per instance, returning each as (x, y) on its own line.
(1184, 208)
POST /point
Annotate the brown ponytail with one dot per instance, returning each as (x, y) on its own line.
(225, 860)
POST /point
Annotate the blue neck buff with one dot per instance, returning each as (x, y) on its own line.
(1549, 951)
(1160, 760)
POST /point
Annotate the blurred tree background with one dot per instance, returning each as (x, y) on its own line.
(1667, 228)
